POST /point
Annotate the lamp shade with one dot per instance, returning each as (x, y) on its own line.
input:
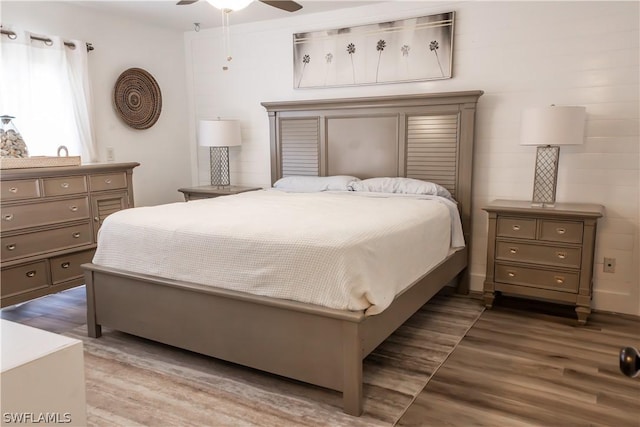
(219, 133)
(553, 125)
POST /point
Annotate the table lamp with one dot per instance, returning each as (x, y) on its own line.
(549, 128)
(219, 135)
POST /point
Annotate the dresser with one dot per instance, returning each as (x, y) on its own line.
(542, 252)
(42, 376)
(49, 222)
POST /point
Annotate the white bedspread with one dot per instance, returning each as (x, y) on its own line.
(344, 250)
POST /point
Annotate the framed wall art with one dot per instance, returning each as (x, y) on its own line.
(406, 50)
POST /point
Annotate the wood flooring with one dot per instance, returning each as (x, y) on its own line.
(521, 364)
(531, 365)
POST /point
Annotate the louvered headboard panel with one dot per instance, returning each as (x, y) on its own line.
(432, 149)
(300, 140)
(425, 136)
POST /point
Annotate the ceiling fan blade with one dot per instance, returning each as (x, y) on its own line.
(185, 2)
(289, 6)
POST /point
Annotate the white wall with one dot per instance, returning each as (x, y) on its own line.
(121, 43)
(522, 54)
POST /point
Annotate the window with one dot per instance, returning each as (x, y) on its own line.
(45, 86)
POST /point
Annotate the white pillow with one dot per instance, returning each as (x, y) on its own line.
(400, 185)
(311, 184)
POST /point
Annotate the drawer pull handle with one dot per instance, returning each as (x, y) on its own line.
(73, 208)
(516, 228)
(561, 255)
(65, 265)
(76, 235)
(107, 181)
(7, 217)
(64, 185)
(31, 273)
(11, 247)
(561, 230)
(513, 250)
(511, 274)
(559, 280)
(96, 219)
(13, 190)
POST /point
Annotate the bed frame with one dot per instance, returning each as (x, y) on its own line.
(427, 136)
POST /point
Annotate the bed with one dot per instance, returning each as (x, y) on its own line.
(427, 137)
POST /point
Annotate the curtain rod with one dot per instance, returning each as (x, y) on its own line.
(46, 40)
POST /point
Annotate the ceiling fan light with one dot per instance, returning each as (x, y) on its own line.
(232, 5)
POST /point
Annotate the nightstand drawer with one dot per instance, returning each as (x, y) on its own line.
(522, 228)
(195, 196)
(539, 254)
(537, 278)
(561, 231)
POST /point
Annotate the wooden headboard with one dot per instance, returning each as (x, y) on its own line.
(425, 136)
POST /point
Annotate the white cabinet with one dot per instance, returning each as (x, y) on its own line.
(42, 377)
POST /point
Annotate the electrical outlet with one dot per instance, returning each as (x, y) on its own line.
(609, 265)
(111, 156)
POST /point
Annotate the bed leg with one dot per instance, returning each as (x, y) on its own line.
(93, 329)
(352, 375)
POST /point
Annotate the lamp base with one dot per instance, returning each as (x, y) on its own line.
(219, 166)
(546, 176)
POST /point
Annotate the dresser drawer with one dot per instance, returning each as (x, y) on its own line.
(43, 213)
(65, 185)
(561, 231)
(24, 278)
(67, 267)
(539, 254)
(108, 181)
(522, 228)
(537, 278)
(46, 241)
(20, 189)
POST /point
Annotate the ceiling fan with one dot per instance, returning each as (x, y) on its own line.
(286, 5)
(228, 6)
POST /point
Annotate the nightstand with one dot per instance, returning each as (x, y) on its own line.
(542, 252)
(210, 191)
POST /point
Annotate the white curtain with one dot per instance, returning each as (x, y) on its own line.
(45, 86)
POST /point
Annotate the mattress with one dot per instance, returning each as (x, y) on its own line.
(343, 250)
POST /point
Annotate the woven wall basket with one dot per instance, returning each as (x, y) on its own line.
(137, 98)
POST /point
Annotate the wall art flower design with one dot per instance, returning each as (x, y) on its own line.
(305, 60)
(406, 50)
(328, 58)
(405, 57)
(351, 50)
(433, 47)
(380, 47)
